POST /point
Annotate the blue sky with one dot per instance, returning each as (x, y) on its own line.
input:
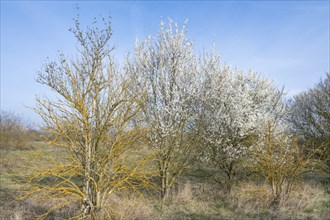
(288, 41)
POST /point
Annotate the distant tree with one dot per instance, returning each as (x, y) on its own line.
(167, 68)
(95, 118)
(310, 116)
(234, 108)
(13, 131)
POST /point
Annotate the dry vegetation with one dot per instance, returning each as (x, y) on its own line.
(193, 197)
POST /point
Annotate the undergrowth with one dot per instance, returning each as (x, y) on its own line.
(193, 197)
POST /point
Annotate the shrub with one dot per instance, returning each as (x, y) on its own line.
(282, 161)
(13, 131)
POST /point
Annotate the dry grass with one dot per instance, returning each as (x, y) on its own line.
(248, 201)
(185, 194)
(307, 201)
(131, 207)
(192, 198)
(249, 196)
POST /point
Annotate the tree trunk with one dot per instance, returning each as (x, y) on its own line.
(164, 181)
(87, 206)
(230, 179)
(276, 203)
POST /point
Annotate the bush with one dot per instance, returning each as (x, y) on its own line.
(281, 161)
(13, 131)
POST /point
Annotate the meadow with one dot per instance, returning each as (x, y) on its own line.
(194, 196)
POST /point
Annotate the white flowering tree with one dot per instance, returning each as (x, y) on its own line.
(235, 107)
(167, 69)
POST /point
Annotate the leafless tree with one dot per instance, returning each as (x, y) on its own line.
(310, 116)
(96, 119)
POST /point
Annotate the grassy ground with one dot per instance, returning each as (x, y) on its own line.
(194, 197)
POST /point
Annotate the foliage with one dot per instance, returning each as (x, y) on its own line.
(167, 69)
(234, 107)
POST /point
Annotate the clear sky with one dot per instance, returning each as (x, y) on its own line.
(287, 41)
